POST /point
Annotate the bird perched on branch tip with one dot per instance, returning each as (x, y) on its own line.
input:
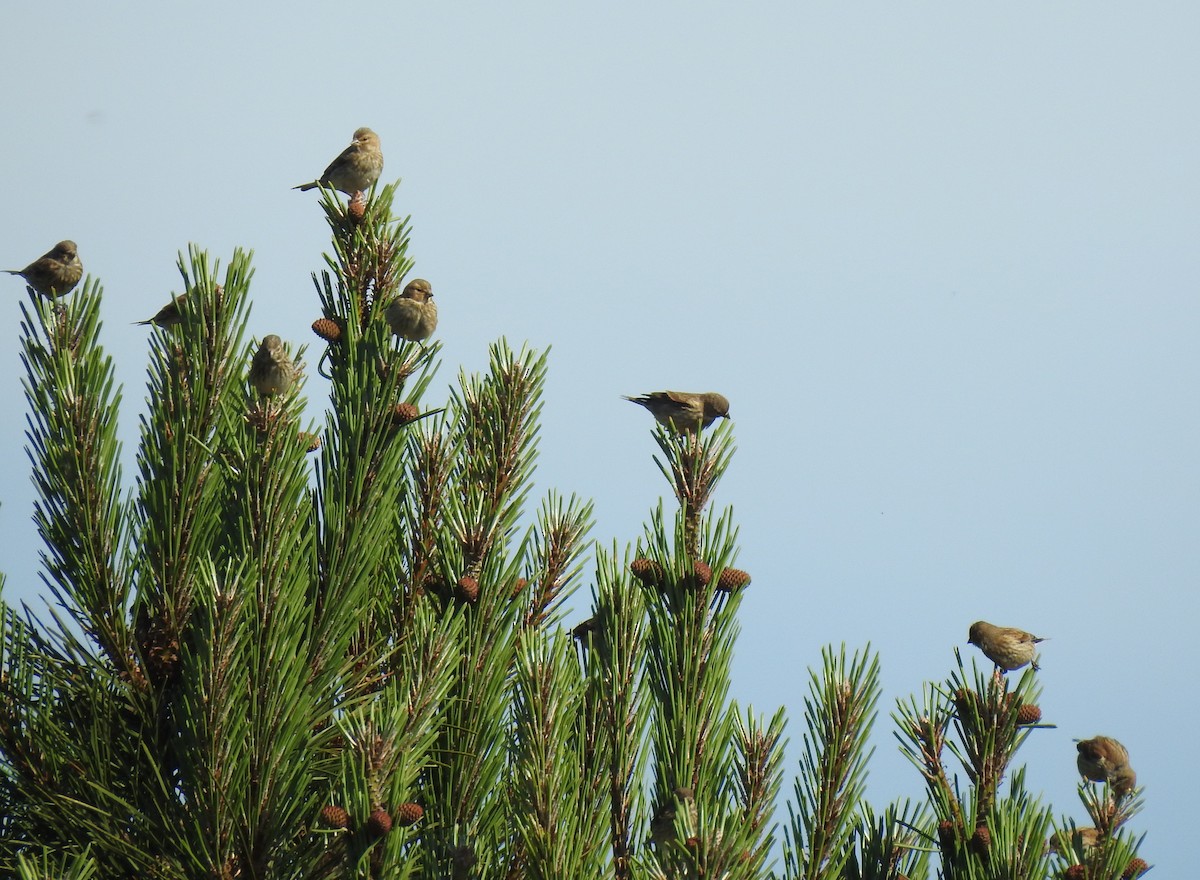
(682, 411)
(355, 169)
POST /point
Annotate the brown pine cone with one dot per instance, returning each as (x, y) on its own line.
(379, 823)
(335, 817)
(467, 589)
(409, 813)
(732, 579)
(647, 571)
(328, 329)
(1029, 714)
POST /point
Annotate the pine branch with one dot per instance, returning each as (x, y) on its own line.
(75, 454)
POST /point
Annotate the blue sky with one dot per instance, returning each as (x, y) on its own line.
(941, 258)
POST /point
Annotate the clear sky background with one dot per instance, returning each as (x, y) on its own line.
(941, 257)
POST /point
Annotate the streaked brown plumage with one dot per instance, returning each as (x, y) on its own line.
(1103, 759)
(356, 167)
(1007, 647)
(413, 315)
(55, 273)
(271, 370)
(682, 411)
(167, 316)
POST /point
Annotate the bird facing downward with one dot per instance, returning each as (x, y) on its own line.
(1007, 647)
(355, 169)
(54, 273)
(272, 371)
(683, 412)
(1100, 758)
(413, 315)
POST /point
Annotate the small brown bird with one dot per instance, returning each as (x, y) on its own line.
(355, 169)
(1081, 839)
(167, 316)
(413, 315)
(1101, 758)
(683, 412)
(54, 273)
(1007, 647)
(272, 371)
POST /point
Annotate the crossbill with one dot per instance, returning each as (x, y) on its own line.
(55, 273)
(271, 370)
(413, 315)
(1103, 759)
(1007, 647)
(355, 169)
(681, 411)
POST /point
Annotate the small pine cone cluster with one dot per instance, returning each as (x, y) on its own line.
(310, 442)
(1075, 872)
(1029, 714)
(1135, 868)
(328, 329)
(647, 571)
(981, 840)
(379, 823)
(467, 589)
(964, 700)
(409, 814)
(335, 816)
(357, 208)
(947, 835)
(732, 579)
(403, 413)
(701, 574)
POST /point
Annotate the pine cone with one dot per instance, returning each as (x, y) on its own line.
(403, 413)
(1136, 868)
(964, 700)
(310, 442)
(328, 329)
(379, 823)
(1075, 872)
(947, 835)
(1029, 714)
(701, 573)
(647, 571)
(467, 589)
(981, 840)
(335, 817)
(409, 814)
(732, 579)
(518, 585)
(357, 208)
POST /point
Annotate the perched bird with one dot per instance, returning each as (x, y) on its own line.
(662, 823)
(1103, 759)
(167, 316)
(358, 166)
(54, 273)
(272, 371)
(1007, 647)
(681, 411)
(413, 314)
(1081, 840)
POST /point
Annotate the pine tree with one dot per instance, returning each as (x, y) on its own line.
(300, 651)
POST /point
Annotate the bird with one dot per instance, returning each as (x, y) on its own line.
(271, 370)
(355, 169)
(167, 316)
(1103, 759)
(413, 315)
(55, 273)
(681, 411)
(1007, 647)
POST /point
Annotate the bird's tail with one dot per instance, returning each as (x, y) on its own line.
(305, 187)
